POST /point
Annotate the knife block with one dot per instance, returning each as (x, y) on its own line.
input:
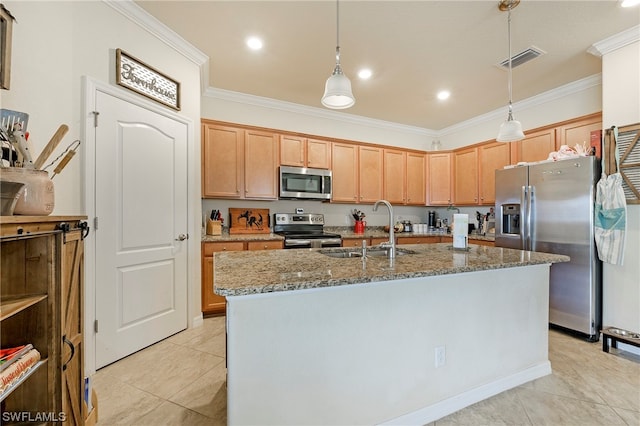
(214, 227)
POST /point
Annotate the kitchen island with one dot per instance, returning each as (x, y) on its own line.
(313, 339)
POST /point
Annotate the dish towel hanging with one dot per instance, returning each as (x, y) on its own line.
(610, 211)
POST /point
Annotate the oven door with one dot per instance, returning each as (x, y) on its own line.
(297, 243)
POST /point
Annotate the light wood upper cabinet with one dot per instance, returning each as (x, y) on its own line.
(492, 156)
(318, 154)
(465, 167)
(405, 177)
(578, 131)
(370, 173)
(239, 163)
(344, 158)
(242, 162)
(439, 178)
(222, 161)
(416, 179)
(395, 173)
(299, 151)
(536, 146)
(261, 165)
(293, 151)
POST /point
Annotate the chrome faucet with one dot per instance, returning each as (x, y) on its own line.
(391, 244)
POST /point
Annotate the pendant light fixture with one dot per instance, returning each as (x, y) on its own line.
(337, 90)
(510, 130)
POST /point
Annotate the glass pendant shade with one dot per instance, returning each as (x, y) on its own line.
(510, 131)
(337, 91)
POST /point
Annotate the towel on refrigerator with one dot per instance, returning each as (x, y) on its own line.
(610, 212)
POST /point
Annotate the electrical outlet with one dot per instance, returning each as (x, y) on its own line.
(440, 356)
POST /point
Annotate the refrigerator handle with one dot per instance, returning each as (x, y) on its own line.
(524, 224)
(529, 221)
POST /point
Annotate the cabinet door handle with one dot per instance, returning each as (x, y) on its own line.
(73, 351)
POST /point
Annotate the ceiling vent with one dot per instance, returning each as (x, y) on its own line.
(522, 57)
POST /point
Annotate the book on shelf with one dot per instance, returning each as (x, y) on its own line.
(17, 369)
(9, 355)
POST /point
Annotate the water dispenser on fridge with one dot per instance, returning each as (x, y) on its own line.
(511, 219)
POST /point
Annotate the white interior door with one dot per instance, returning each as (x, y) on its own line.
(141, 210)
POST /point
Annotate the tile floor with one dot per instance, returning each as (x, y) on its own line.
(587, 387)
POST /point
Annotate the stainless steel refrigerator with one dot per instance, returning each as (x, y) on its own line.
(549, 207)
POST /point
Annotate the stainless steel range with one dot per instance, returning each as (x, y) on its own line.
(304, 231)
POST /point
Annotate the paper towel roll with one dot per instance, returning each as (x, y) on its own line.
(460, 230)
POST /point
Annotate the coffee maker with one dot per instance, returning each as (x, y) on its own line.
(431, 219)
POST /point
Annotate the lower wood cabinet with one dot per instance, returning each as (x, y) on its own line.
(212, 304)
(471, 241)
(424, 239)
(355, 242)
(264, 245)
(376, 241)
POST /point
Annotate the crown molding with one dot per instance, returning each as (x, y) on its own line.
(537, 100)
(142, 18)
(242, 98)
(615, 42)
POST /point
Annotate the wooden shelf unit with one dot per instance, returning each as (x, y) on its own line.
(41, 291)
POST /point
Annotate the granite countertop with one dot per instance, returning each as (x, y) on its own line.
(226, 237)
(344, 231)
(379, 232)
(286, 270)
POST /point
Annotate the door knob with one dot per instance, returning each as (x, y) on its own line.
(182, 237)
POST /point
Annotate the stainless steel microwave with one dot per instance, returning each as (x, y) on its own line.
(305, 183)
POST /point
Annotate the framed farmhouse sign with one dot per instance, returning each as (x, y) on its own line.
(139, 77)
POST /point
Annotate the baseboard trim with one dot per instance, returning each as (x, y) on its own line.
(197, 321)
(451, 405)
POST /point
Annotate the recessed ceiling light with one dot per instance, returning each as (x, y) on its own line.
(444, 94)
(365, 73)
(630, 3)
(254, 43)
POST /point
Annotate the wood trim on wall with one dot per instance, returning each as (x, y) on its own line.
(628, 144)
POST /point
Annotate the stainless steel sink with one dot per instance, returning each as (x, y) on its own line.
(342, 254)
(384, 252)
(371, 252)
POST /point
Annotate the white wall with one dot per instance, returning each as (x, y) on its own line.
(576, 99)
(364, 353)
(55, 44)
(621, 106)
